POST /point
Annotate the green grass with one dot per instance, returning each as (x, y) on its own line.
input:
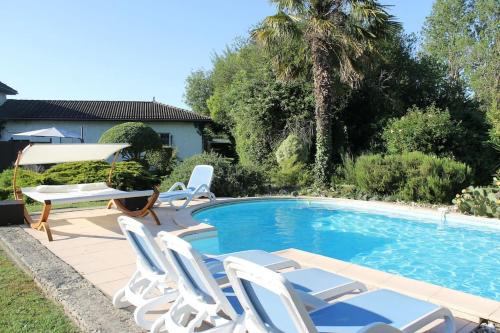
(23, 308)
(37, 207)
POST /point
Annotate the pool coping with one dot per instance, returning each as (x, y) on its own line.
(463, 305)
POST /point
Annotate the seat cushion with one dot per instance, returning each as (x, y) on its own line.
(316, 281)
(382, 305)
(262, 258)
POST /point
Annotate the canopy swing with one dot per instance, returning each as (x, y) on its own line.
(55, 194)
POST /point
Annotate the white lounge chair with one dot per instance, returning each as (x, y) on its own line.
(197, 187)
(272, 305)
(201, 299)
(151, 284)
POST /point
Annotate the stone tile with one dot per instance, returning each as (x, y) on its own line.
(103, 276)
(110, 288)
(467, 328)
(328, 264)
(438, 326)
(364, 274)
(495, 315)
(418, 289)
(469, 304)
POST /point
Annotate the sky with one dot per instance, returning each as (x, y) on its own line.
(126, 49)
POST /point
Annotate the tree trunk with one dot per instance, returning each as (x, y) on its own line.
(323, 91)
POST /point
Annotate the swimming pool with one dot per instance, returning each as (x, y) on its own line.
(454, 255)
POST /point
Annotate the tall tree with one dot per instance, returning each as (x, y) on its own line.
(331, 34)
(447, 35)
(463, 35)
(199, 88)
(484, 67)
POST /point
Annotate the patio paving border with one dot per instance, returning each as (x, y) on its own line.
(85, 304)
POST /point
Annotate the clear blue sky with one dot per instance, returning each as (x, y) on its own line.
(128, 50)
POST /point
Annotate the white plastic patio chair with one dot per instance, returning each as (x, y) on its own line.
(272, 305)
(150, 285)
(201, 299)
(197, 187)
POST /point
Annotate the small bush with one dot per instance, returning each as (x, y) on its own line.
(25, 178)
(161, 161)
(126, 176)
(292, 150)
(377, 174)
(431, 179)
(291, 175)
(141, 138)
(411, 176)
(430, 130)
(229, 179)
(481, 201)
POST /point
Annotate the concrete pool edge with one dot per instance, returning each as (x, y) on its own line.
(464, 305)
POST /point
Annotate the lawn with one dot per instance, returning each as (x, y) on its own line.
(23, 308)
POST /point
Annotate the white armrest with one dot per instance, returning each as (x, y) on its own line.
(178, 184)
(201, 188)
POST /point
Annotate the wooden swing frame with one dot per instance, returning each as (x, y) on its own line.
(42, 224)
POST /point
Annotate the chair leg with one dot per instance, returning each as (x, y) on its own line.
(110, 204)
(155, 217)
(43, 224)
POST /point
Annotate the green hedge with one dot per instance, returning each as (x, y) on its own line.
(229, 179)
(411, 176)
(126, 176)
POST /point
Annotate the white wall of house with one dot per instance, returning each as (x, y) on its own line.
(186, 138)
(3, 98)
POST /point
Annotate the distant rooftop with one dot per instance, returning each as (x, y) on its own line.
(7, 90)
(20, 109)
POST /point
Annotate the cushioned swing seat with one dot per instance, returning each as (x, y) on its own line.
(61, 194)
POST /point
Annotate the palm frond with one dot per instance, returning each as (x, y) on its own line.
(290, 6)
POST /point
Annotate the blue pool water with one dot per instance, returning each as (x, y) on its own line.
(461, 257)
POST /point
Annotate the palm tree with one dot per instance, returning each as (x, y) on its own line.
(333, 33)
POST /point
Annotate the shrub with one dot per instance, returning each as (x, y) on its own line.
(411, 176)
(292, 150)
(430, 130)
(25, 178)
(126, 176)
(162, 161)
(228, 180)
(432, 179)
(291, 175)
(377, 174)
(482, 201)
(141, 137)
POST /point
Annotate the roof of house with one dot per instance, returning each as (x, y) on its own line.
(7, 90)
(19, 109)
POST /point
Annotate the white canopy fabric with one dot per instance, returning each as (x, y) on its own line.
(71, 152)
(50, 132)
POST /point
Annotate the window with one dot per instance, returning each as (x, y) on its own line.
(166, 139)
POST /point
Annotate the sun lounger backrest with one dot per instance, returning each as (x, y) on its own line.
(144, 245)
(269, 300)
(201, 175)
(193, 273)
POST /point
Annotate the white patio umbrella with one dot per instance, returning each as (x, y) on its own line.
(50, 132)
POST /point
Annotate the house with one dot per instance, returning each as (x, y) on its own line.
(178, 128)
